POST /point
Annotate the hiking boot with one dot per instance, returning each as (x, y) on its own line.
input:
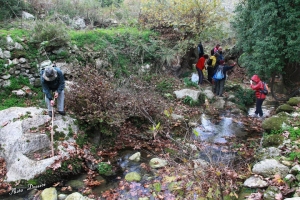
(62, 112)
(50, 113)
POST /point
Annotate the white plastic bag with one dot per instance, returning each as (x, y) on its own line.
(195, 78)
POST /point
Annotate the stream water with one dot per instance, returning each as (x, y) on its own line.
(207, 131)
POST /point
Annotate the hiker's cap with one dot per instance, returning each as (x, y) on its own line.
(50, 74)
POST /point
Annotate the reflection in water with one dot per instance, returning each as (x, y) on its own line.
(217, 133)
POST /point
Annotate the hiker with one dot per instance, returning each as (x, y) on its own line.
(220, 51)
(200, 50)
(200, 66)
(52, 80)
(219, 84)
(211, 66)
(257, 85)
(215, 49)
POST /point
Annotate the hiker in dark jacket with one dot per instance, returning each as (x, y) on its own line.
(257, 85)
(52, 80)
(200, 50)
(219, 84)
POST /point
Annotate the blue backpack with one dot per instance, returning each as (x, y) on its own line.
(219, 73)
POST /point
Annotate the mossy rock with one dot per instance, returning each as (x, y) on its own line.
(133, 176)
(245, 191)
(18, 54)
(272, 140)
(294, 101)
(285, 108)
(275, 122)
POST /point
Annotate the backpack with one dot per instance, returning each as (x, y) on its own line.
(209, 62)
(212, 52)
(219, 73)
(265, 90)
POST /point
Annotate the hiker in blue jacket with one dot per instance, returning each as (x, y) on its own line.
(53, 80)
(219, 84)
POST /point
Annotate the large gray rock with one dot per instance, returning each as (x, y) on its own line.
(194, 94)
(45, 63)
(135, 157)
(157, 163)
(219, 103)
(6, 54)
(75, 196)
(270, 167)
(26, 15)
(255, 182)
(267, 153)
(19, 142)
(78, 23)
(208, 93)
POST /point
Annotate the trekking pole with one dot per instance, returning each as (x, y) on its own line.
(52, 132)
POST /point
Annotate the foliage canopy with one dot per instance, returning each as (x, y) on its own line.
(194, 18)
(267, 31)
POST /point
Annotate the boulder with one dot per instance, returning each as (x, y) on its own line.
(208, 93)
(219, 103)
(255, 182)
(49, 194)
(21, 137)
(271, 193)
(45, 64)
(285, 108)
(275, 122)
(78, 23)
(270, 167)
(194, 94)
(6, 55)
(75, 196)
(266, 153)
(22, 60)
(135, 157)
(157, 163)
(19, 93)
(18, 46)
(133, 176)
(294, 101)
(26, 15)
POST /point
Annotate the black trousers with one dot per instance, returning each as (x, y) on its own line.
(258, 110)
(210, 73)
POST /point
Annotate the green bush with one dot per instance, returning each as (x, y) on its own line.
(189, 101)
(187, 82)
(165, 86)
(245, 98)
(50, 35)
(104, 168)
(10, 9)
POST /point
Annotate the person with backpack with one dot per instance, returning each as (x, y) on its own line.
(200, 50)
(200, 66)
(211, 64)
(52, 80)
(220, 77)
(257, 85)
(215, 49)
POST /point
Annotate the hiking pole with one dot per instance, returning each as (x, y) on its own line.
(52, 132)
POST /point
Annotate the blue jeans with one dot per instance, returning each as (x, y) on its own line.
(200, 74)
(59, 101)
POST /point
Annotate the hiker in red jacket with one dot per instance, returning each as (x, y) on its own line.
(257, 85)
(200, 66)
